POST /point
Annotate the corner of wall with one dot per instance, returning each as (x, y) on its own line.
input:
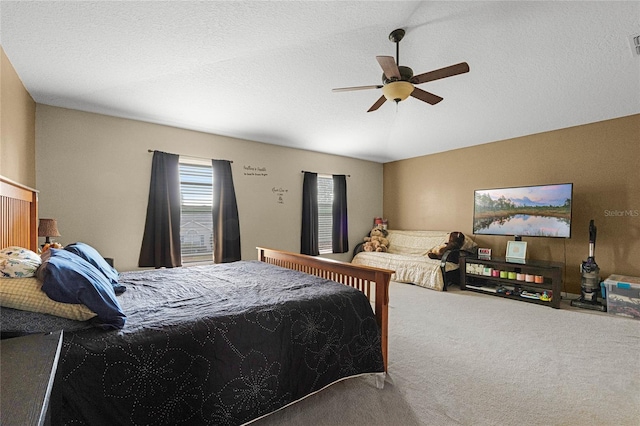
(17, 126)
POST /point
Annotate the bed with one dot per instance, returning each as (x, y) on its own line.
(216, 344)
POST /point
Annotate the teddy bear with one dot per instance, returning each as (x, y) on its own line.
(456, 240)
(377, 240)
(371, 246)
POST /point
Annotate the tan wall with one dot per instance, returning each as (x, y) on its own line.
(94, 170)
(17, 127)
(600, 159)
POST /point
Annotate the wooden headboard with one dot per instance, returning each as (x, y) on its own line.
(18, 215)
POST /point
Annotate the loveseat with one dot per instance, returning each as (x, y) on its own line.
(407, 256)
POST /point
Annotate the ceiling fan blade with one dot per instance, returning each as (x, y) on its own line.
(348, 89)
(449, 71)
(378, 103)
(425, 96)
(389, 66)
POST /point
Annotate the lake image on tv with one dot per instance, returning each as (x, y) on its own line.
(543, 211)
(522, 224)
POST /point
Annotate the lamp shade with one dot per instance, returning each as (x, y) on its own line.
(48, 228)
(397, 90)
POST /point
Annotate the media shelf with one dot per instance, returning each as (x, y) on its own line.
(532, 281)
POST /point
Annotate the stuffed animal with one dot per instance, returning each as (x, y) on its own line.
(456, 240)
(377, 240)
(371, 246)
(47, 246)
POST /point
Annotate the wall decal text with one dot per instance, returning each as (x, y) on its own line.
(279, 193)
(255, 171)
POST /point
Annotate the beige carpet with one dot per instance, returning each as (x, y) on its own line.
(462, 358)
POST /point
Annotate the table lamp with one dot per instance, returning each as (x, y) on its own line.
(48, 228)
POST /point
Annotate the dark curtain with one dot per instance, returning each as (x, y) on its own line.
(309, 237)
(340, 230)
(226, 225)
(161, 240)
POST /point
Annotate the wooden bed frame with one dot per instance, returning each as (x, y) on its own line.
(18, 215)
(19, 227)
(357, 276)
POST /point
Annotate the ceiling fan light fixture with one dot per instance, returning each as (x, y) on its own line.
(397, 91)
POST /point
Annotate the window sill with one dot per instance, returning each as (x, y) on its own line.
(198, 263)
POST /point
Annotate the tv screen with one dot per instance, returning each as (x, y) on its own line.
(532, 211)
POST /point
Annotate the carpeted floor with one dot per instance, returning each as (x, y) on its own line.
(463, 358)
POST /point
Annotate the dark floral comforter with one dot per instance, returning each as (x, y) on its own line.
(219, 345)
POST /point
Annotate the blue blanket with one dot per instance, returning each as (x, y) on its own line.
(68, 278)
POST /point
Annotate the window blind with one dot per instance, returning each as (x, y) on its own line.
(325, 214)
(196, 227)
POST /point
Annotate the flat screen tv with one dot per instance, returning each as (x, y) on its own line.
(531, 211)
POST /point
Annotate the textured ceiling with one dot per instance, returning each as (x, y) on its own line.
(264, 71)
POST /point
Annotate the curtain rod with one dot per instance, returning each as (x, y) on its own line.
(306, 171)
(189, 156)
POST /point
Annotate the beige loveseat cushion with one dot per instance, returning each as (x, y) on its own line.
(415, 242)
(409, 268)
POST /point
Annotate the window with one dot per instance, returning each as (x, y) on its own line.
(196, 201)
(325, 214)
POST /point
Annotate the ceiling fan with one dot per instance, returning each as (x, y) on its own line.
(398, 82)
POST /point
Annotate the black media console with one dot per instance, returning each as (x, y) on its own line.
(532, 281)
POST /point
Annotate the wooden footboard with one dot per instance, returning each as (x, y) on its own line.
(357, 276)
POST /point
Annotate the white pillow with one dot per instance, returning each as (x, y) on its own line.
(18, 262)
(16, 252)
